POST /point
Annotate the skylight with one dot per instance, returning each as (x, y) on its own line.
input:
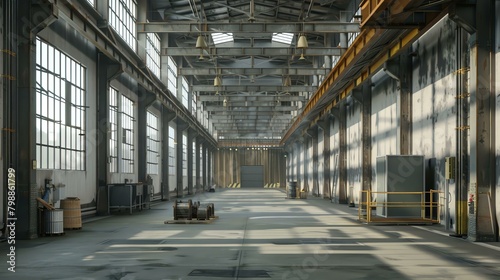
(220, 38)
(285, 38)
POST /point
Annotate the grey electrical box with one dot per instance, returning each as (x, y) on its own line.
(399, 174)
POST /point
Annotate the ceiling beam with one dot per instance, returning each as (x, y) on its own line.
(270, 51)
(250, 136)
(249, 125)
(248, 27)
(264, 130)
(250, 97)
(248, 109)
(263, 114)
(250, 118)
(250, 88)
(279, 121)
(250, 104)
(253, 71)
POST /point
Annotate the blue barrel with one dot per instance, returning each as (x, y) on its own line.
(292, 189)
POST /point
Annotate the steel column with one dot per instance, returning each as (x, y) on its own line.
(482, 212)
(32, 17)
(325, 126)
(299, 145)
(363, 96)
(307, 158)
(405, 102)
(340, 114)
(209, 177)
(462, 158)
(107, 70)
(142, 10)
(315, 176)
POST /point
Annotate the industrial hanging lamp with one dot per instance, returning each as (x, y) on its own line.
(302, 42)
(217, 81)
(201, 44)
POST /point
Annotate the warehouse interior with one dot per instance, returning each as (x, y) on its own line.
(342, 103)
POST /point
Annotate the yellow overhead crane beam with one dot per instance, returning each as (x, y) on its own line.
(371, 9)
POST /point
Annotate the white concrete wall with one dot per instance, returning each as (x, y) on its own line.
(354, 151)
(300, 177)
(384, 119)
(334, 158)
(81, 184)
(310, 163)
(434, 107)
(321, 162)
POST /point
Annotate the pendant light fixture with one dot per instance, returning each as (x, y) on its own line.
(201, 44)
(217, 81)
(302, 42)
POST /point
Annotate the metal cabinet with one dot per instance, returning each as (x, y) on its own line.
(400, 185)
(125, 196)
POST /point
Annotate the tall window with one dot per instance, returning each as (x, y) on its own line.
(153, 53)
(152, 144)
(184, 154)
(185, 92)
(60, 109)
(193, 104)
(201, 162)
(172, 75)
(122, 17)
(127, 145)
(194, 160)
(113, 130)
(171, 150)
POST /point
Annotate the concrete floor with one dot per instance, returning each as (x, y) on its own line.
(259, 235)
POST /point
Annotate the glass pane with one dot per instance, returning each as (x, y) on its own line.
(43, 158)
(57, 158)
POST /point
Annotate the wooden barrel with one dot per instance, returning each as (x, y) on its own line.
(72, 213)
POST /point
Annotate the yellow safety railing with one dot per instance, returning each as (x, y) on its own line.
(429, 208)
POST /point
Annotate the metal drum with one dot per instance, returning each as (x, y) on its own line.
(203, 212)
(183, 210)
(54, 220)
